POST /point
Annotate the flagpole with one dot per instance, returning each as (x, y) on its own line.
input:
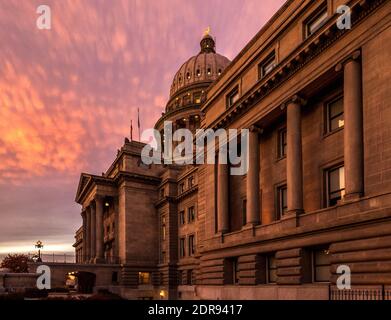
(138, 124)
(131, 130)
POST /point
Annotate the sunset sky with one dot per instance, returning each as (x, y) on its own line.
(67, 94)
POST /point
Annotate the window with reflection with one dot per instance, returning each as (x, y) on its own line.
(334, 115)
(335, 185)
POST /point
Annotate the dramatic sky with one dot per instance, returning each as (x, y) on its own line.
(67, 94)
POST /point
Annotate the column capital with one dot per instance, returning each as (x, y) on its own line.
(254, 128)
(297, 99)
(352, 57)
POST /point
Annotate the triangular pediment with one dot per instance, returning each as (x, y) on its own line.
(83, 182)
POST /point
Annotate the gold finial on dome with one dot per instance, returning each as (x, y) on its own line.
(207, 31)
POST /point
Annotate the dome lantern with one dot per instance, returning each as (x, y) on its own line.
(208, 44)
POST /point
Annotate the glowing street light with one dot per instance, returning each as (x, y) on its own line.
(39, 246)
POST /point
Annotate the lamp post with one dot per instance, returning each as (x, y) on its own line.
(39, 246)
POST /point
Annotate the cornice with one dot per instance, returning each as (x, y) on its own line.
(298, 59)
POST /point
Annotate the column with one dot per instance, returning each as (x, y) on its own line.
(222, 198)
(93, 232)
(83, 215)
(294, 157)
(252, 185)
(88, 238)
(99, 229)
(353, 128)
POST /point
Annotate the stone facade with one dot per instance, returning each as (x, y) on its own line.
(318, 190)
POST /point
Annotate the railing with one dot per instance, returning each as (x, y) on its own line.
(54, 257)
(376, 293)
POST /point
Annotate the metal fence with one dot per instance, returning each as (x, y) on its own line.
(379, 293)
(54, 257)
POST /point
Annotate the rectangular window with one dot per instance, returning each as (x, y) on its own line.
(282, 143)
(197, 97)
(191, 214)
(282, 201)
(321, 265)
(267, 66)
(233, 97)
(163, 228)
(144, 278)
(335, 115)
(181, 188)
(271, 269)
(182, 247)
(182, 218)
(316, 21)
(335, 185)
(191, 245)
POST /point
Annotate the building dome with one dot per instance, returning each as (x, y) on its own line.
(206, 66)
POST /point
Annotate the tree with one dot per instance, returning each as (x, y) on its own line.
(15, 263)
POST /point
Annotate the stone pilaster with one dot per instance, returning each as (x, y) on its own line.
(93, 232)
(222, 198)
(88, 236)
(83, 215)
(99, 229)
(252, 186)
(353, 128)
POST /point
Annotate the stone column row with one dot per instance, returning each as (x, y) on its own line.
(353, 153)
(93, 231)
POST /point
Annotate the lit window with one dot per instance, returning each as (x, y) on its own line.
(271, 269)
(197, 98)
(233, 97)
(219, 71)
(209, 71)
(335, 115)
(144, 278)
(182, 217)
(335, 185)
(282, 202)
(315, 23)
(181, 247)
(188, 76)
(191, 214)
(282, 143)
(267, 65)
(321, 265)
(198, 73)
(191, 245)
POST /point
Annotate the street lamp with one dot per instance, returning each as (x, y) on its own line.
(39, 246)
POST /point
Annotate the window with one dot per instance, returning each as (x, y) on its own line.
(244, 212)
(182, 247)
(144, 278)
(282, 202)
(191, 214)
(191, 182)
(161, 193)
(335, 185)
(209, 71)
(271, 269)
(191, 245)
(316, 22)
(114, 277)
(181, 187)
(267, 66)
(231, 271)
(321, 265)
(232, 97)
(197, 97)
(188, 75)
(163, 228)
(198, 73)
(335, 115)
(282, 143)
(182, 217)
(187, 99)
(219, 72)
(190, 278)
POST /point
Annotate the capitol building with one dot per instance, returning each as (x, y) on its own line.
(317, 193)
